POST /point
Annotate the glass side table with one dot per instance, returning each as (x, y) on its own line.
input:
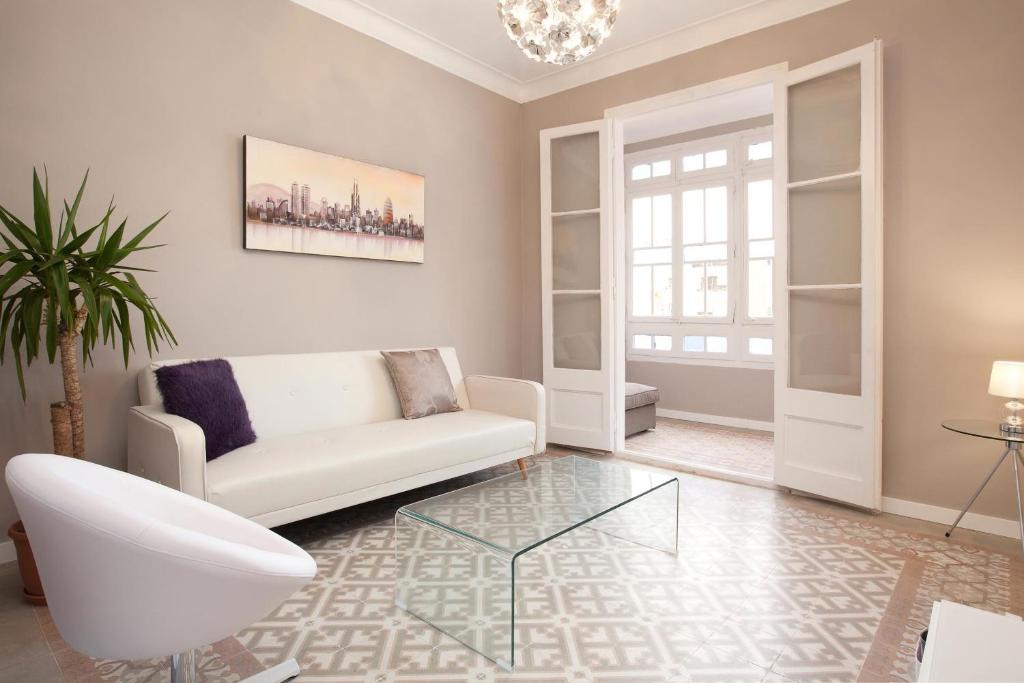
(989, 429)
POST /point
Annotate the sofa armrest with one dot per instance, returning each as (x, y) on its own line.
(167, 449)
(513, 397)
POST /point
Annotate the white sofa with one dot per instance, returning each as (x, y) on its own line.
(330, 434)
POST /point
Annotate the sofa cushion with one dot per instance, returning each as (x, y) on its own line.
(278, 473)
(308, 392)
(422, 383)
(640, 395)
(205, 392)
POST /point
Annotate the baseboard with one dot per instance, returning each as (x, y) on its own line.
(7, 553)
(934, 513)
(740, 422)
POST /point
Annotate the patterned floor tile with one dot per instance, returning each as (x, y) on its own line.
(712, 665)
(764, 587)
(744, 451)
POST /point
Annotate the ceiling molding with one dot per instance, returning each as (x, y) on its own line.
(753, 17)
(369, 21)
(757, 15)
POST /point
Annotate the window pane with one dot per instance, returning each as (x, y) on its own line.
(642, 222)
(825, 233)
(641, 172)
(662, 220)
(693, 344)
(718, 344)
(576, 252)
(662, 286)
(759, 150)
(641, 290)
(759, 209)
(694, 162)
(641, 341)
(693, 289)
(759, 289)
(760, 346)
(717, 290)
(576, 331)
(824, 340)
(645, 256)
(824, 125)
(762, 249)
(716, 159)
(575, 172)
(693, 216)
(706, 252)
(661, 168)
(716, 215)
(663, 342)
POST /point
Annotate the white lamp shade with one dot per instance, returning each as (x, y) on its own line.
(1007, 379)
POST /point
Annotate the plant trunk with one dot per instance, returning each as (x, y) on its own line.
(73, 383)
(60, 420)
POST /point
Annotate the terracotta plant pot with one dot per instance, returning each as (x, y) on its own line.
(27, 565)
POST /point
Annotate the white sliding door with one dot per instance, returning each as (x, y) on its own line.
(828, 373)
(576, 272)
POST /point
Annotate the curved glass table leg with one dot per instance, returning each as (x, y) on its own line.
(468, 589)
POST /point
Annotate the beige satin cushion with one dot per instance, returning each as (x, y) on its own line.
(422, 382)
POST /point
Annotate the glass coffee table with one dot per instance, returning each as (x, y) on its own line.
(458, 552)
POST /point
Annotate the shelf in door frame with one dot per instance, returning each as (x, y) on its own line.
(802, 288)
(577, 212)
(796, 184)
(575, 291)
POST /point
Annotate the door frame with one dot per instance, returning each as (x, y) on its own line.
(775, 75)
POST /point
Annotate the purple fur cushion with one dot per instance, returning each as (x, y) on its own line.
(205, 392)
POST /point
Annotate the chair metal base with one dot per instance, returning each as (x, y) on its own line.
(184, 670)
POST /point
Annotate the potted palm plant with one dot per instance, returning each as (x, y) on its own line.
(62, 288)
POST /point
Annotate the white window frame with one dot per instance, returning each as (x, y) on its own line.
(737, 326)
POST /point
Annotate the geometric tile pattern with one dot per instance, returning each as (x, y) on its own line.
(468, 559)
(741, 601)
(766, 586)
(740, 451)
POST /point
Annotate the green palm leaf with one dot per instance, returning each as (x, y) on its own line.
(57, 280)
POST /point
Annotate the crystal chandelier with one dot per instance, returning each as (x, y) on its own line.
(558, 31)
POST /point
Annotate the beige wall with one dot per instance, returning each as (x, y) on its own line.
(746, 393)
(953, 206)
(155, 98)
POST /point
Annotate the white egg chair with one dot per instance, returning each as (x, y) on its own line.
(133, 569)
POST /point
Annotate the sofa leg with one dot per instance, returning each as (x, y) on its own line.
(522, 466)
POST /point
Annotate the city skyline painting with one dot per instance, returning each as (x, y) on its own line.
(301, 201)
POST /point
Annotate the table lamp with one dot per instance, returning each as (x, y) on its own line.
(1007, 381)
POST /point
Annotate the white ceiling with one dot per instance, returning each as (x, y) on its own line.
(703, 113)
(466, 38)
(472, 27)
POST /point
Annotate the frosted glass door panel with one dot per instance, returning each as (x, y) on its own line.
(824, 329)
(825, 233)
(576, 251)
(576, 337)
(824, 125)
(575, 173)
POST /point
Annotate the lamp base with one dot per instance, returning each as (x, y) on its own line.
(1011, 429)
